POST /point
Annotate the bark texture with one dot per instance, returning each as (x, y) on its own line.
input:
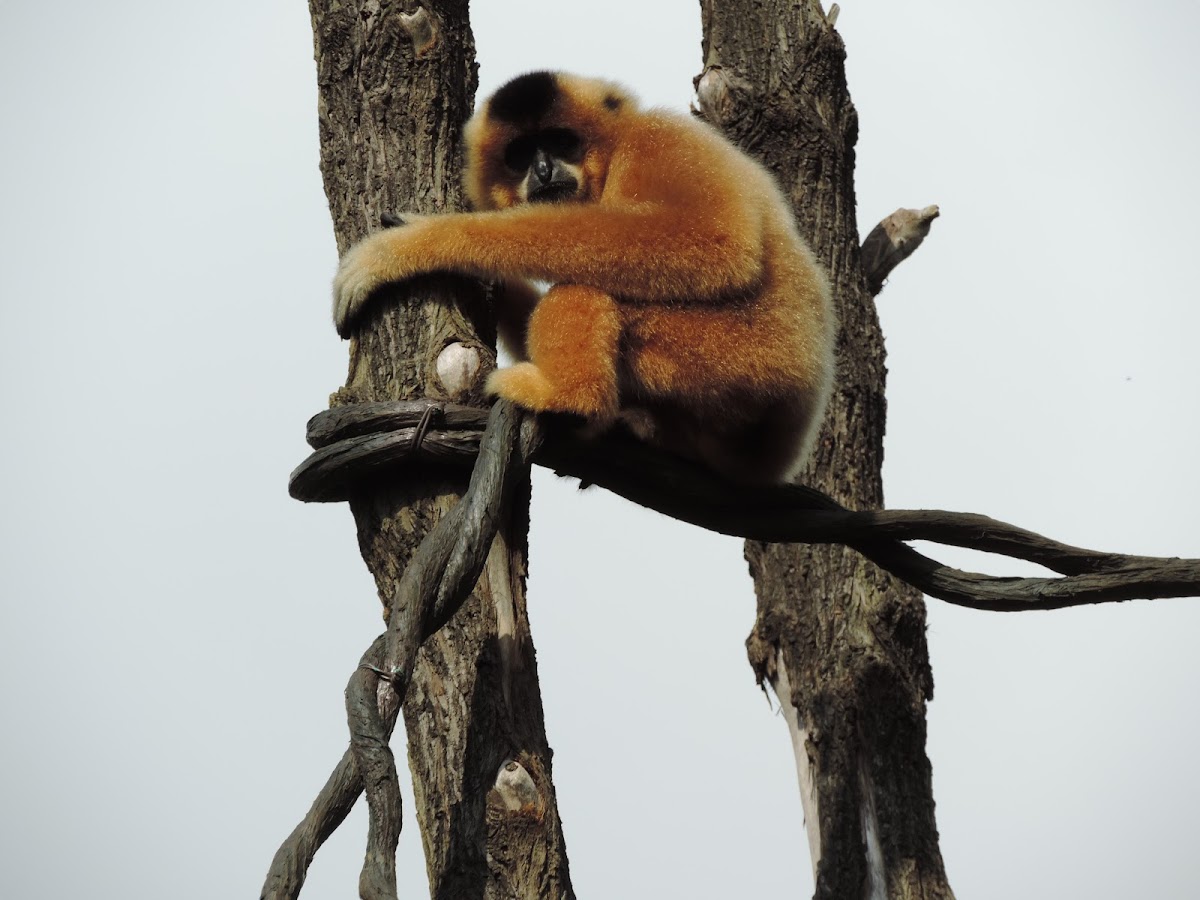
(838, 639)
(394, 93)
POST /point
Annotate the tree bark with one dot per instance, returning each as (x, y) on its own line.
(395, 90)
(841, 643)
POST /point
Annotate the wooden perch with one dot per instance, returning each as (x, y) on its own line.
(892, 241)
(351, 445)
(797, 514)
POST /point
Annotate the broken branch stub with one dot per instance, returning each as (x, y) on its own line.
(892, 241)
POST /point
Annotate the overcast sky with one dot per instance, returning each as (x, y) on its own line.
(176, 632)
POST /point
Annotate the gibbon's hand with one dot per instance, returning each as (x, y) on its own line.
(381, 258)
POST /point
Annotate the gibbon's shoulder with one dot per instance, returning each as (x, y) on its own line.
(670, 146)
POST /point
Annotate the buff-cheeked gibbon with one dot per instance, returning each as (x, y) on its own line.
(682, 299)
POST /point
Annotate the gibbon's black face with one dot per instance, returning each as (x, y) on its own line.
(543, 158)
(547, 161)
(543, 137)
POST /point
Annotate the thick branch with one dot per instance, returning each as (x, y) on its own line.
(368, 418)
(797, 514)
(778, 514)
(290, 865)
(436, 581)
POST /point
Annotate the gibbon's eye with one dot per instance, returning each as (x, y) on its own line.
(519, 154)
(562, 143)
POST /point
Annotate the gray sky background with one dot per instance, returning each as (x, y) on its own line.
(176, 632)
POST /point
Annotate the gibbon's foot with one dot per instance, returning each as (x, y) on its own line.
(523, 384)
(638, 422)
(527, 386)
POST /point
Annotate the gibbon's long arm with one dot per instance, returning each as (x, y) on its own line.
(647, 250)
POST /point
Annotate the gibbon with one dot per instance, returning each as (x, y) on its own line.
(682, 300)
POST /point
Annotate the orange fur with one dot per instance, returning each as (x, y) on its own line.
(573, 345)
(684, 300)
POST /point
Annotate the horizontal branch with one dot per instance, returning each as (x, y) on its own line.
(798, 514)
(775, 513)
(353, 442)
(371, 418)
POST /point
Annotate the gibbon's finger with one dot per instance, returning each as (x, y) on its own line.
(347, 306)
(340, 314)
(390, 219)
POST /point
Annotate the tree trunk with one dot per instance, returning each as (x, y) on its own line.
(842, 643)
(394, 93)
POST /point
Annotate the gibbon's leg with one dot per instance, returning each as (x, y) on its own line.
(572, 342)
(766, 450)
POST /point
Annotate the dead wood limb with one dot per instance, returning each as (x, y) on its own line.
(370, 747)
(798, 514)
(290, 865)
(387, 433)
(436, 582)
(787, 514)
(892, 241)
(289, 868)
(370, 418)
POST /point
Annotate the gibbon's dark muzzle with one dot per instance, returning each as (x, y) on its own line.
(543, 167)
(564, 189)
(548, 182)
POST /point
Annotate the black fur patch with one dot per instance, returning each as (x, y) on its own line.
(524, 98)
(612, 101)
